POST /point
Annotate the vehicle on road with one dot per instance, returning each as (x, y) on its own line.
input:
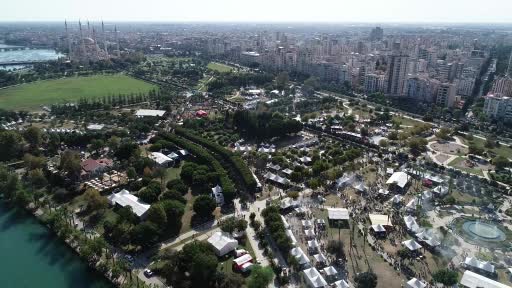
(148, 273)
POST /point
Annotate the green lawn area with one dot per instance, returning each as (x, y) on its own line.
(454, 163)
(31, 96)
(502, 150)
(219, 67)
(407, 121)
(173, 173)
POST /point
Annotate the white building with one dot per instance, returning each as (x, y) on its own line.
(446, 95)
(474, 280)
(124, 198)
(160, 159)
(223, 243)
(149, 113)
(498, 107)
(218, 195)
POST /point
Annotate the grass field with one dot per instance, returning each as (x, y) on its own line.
(219, 67)
(31, 96)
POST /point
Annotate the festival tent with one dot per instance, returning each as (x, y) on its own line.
(415, 283)
(222, 243)
(411, 245)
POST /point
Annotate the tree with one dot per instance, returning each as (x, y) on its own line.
(177, 185)
(444, 133)
(145, 234)
(500, 162)
(282, 80)
(33, 136)
(366, 280)
(36, 178)
(11, 145)
(199, 259)
(474, 149)
(96, 145)
(446, 277)
(335, 247)
(383, 143)
(131, 173)
(231, 224)
(70, 163)
(33, 162)
(260, 277)
(95, 201)
(204, 206)
(231, 280)
(156, 215)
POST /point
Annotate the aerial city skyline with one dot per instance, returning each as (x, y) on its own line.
(228, 144)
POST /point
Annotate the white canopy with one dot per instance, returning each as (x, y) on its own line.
(313, 244)
(441, 190)
(314, 278)
(473, 280)
(223, 243)
(411, 224)
(341, 284)
(415, 283)
(396, 199)
(482, 265)
(159, 158)
(320, 257)
(307, 223)
(338, 213)
(290, 235)
(309, 233)
(411, 245)
(330, 271)
(383, 191)
(381, 219)
(378, 228)
(399, 178)
(299, 255)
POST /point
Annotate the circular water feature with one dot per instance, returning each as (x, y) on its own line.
(482, 231)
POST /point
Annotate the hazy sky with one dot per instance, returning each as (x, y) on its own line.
(374, 11)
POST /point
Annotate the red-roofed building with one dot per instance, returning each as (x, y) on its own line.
(94, 167)
(201, 113)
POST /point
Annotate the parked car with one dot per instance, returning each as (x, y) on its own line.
(148, 273)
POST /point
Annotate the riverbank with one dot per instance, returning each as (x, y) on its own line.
(32, 249)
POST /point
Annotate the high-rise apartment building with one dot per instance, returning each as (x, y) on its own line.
(397, 72)
(446, 95)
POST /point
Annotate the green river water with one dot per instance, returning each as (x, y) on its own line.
(32, 257)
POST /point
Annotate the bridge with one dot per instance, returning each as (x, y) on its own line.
(9, 63)
(20, 48)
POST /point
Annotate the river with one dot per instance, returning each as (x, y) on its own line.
(26, 55)
(32, 256)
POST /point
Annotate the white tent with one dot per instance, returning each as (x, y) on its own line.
(411, 245)
(286, 225)
(338, 214)
(329, 271)
(378, 228)
(310, 233)
(313, 278)
(413, 203)
(415, 283)
(359, 186)
(307, 223)
(290, 235)
(320, 258)
(396, 199)
(441, 190)
(381, 219)
(341, 284)
(383, 191)
(299, 255)
(473, 280)
(482, 265)
(160, 158)
(399, 178)
(223, 243)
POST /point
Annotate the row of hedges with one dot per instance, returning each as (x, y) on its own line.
(275, 226)
(204, 157)
(238, 166)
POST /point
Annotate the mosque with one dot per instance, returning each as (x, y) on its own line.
(85, 47)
